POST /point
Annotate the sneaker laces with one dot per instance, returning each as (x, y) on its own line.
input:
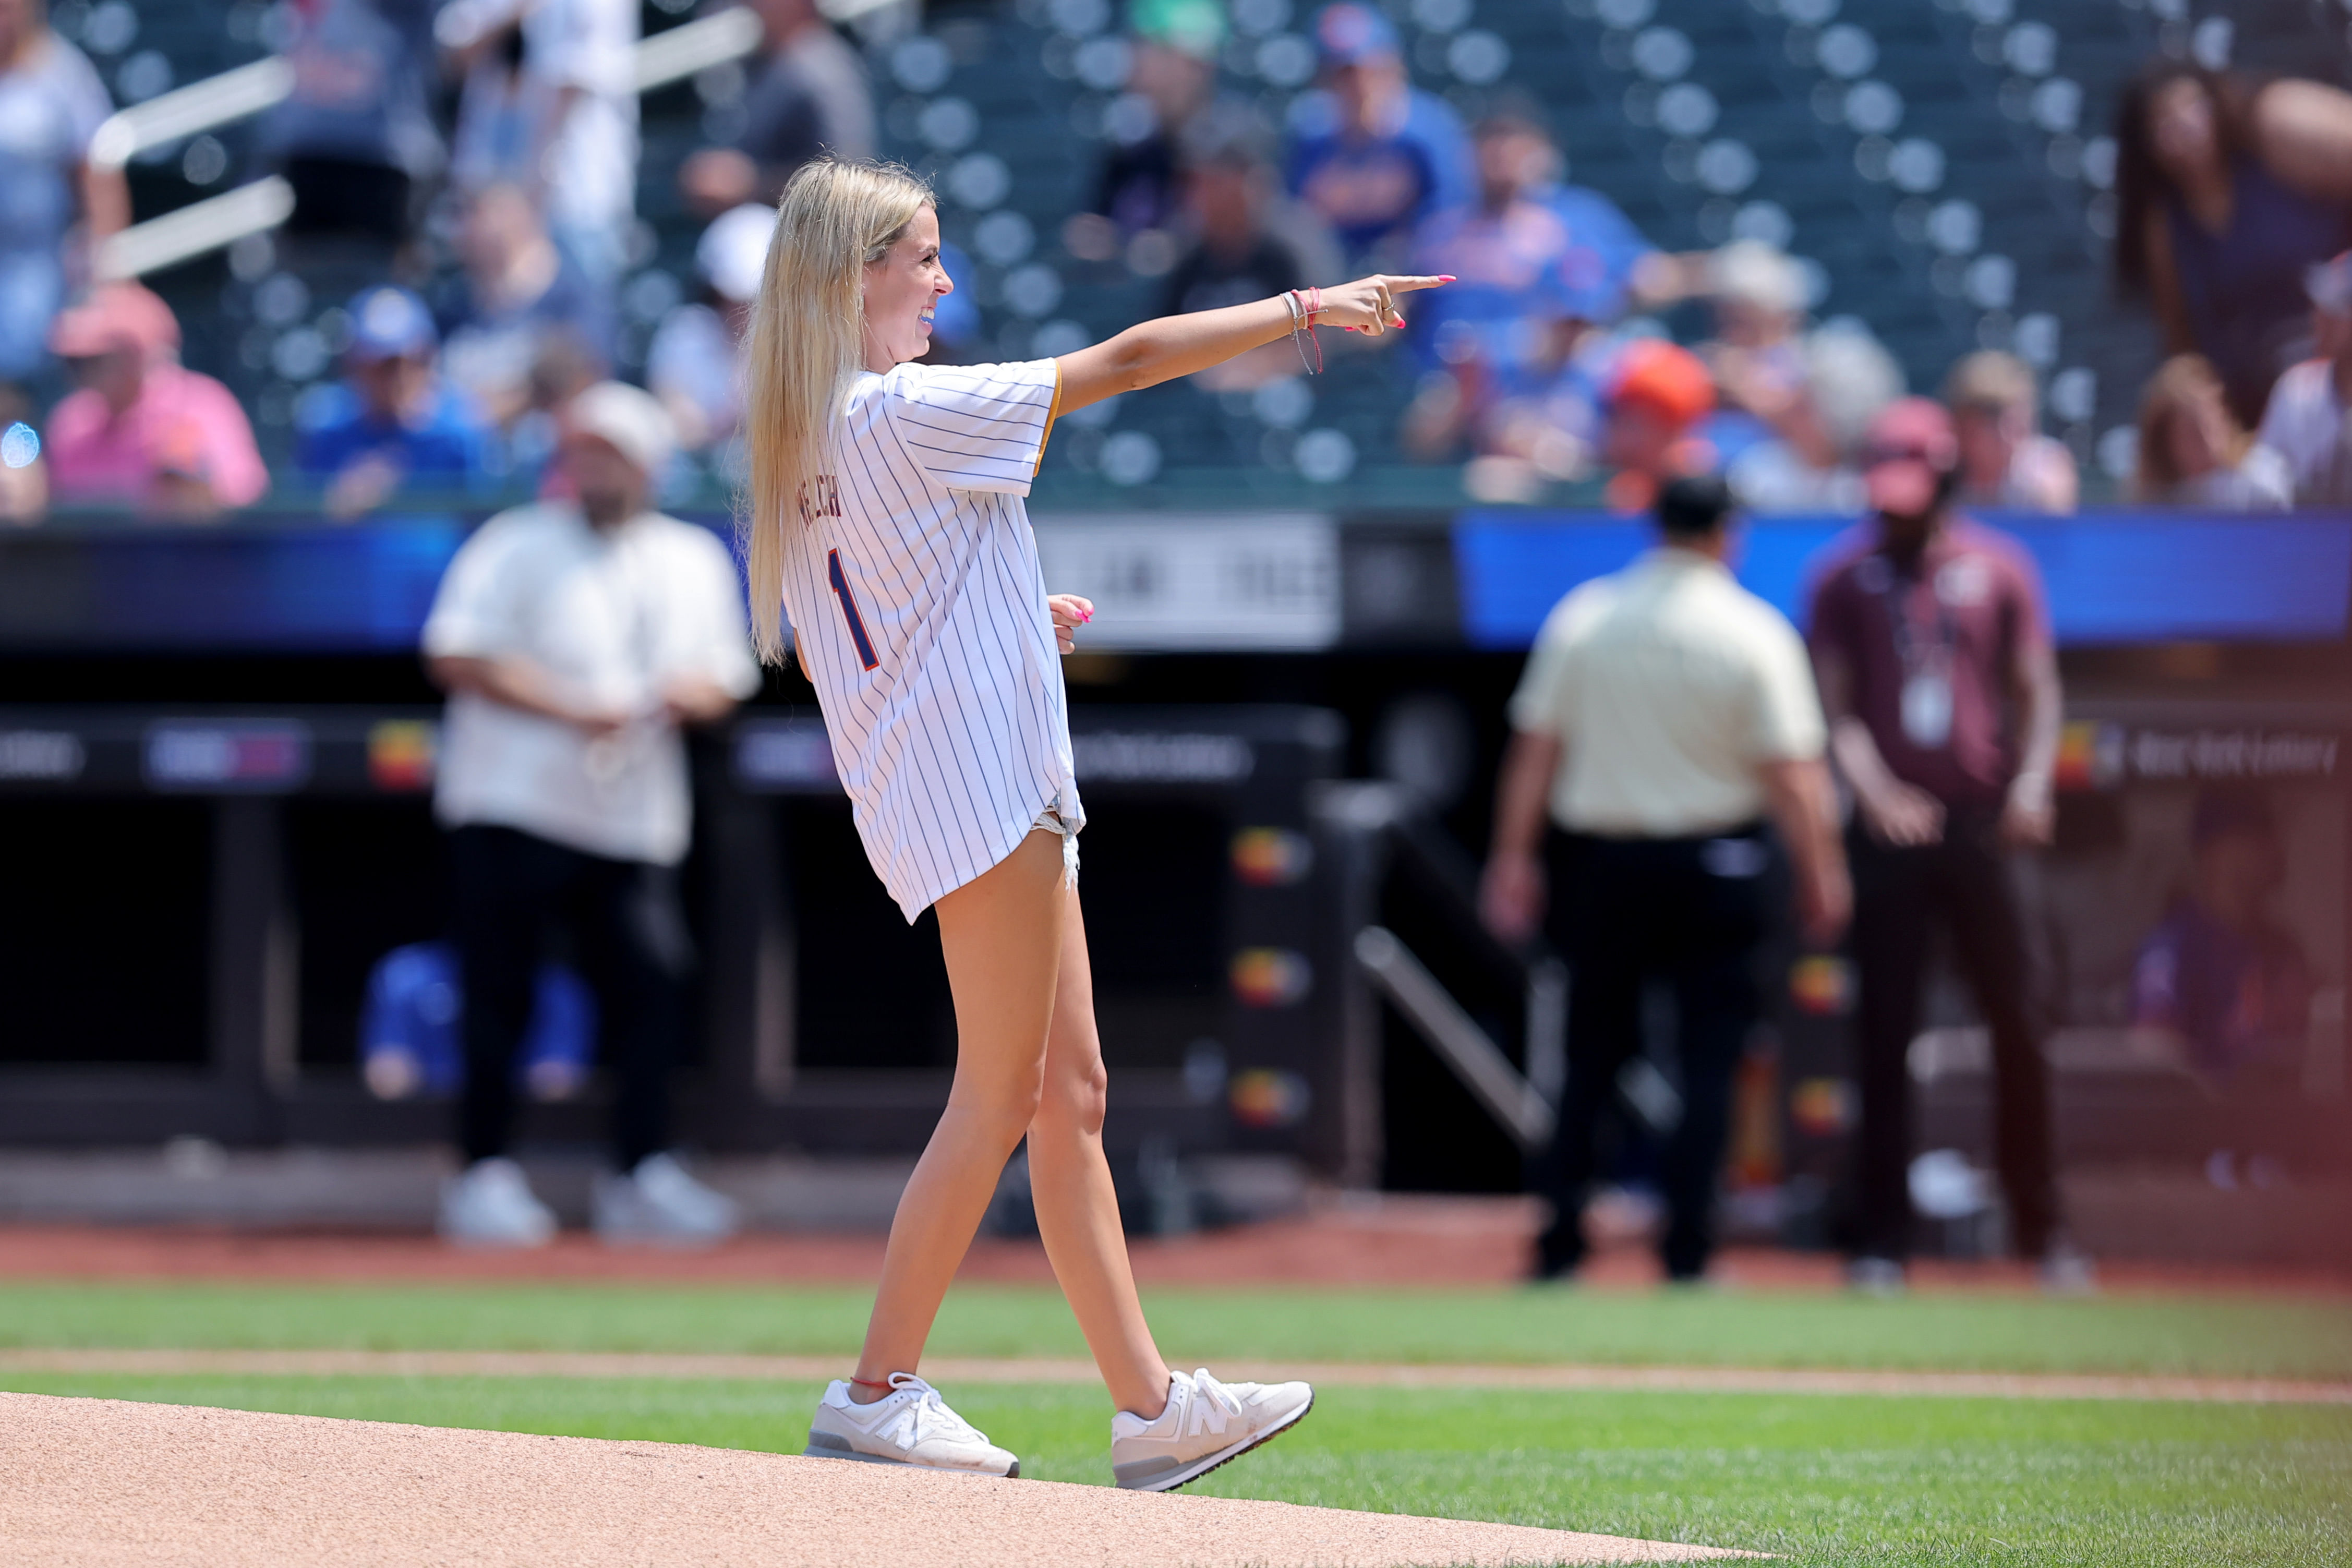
(1208, 1408)
(924, 1415)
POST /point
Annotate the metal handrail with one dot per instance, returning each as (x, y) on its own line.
(1475, 1060)
(679, 52)
(194, 229)
(185, 111)
(250, 89)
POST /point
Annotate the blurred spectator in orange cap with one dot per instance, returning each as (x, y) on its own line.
(144, 431)
(1655, 400)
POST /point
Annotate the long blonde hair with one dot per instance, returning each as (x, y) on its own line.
(2175, 389)
(807, 347)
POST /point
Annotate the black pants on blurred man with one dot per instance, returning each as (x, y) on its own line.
(1963, 881)
(512, 890)
(1689, 912)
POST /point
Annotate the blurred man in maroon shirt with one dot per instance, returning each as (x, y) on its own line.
(1931, 646)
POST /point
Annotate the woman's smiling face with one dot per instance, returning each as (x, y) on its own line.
(901, 290)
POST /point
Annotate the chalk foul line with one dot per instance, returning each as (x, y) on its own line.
(947, 1370)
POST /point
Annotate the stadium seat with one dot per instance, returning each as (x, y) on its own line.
(1939, 161)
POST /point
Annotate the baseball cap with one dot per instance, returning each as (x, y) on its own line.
(391, 324)
(1349, 34)
(1193, 26)
(1910, 446)
(629, 419)
(114, 316)
(1755, 273)
(2330, 284)
(1669, 380)
(733, 251)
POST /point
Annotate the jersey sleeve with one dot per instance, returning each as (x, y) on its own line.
(977, 426)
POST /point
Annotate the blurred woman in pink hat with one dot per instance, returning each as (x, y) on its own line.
(144, 431)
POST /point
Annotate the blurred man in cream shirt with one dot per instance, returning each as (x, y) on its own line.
(1665, 717)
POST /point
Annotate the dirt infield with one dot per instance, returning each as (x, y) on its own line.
(97, 1481)
(950, 1370)
(1411, 1241)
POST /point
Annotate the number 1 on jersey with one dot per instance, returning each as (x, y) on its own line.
(849, 610)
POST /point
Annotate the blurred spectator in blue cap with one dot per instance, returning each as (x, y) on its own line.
(1374, 154)
(393, 423)
(1514, 368)
(695, 364)
(51, 104)
(809, 95)
(1525, 265)
(1140, 190)
(1510, 251)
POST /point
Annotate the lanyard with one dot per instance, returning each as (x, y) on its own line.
(1896, 589)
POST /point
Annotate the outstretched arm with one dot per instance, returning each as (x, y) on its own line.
(1162, 350)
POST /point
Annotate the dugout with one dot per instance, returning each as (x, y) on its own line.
(197, 898)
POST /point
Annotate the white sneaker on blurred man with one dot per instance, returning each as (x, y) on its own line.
(1875, 1276)
(2066, 1269)
(491, 1203)
(1206, 1423)
(911, 1424)
(659, 1204)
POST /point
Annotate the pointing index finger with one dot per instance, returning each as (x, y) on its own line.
(1407, 285)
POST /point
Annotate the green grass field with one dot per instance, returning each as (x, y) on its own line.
(1880, 1480)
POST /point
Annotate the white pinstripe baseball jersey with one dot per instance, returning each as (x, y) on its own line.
(919, 611)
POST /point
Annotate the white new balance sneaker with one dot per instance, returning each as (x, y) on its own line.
(658, 1203)
(1205, 1424)
(491, 1205)
(911, 1424)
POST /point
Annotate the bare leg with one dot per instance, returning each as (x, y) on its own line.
(1002, 935)
(1078, 1210)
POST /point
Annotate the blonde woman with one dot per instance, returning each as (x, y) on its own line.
(2194, 453)
(887, 520)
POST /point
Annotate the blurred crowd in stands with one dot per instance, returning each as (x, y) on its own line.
(485, 154)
